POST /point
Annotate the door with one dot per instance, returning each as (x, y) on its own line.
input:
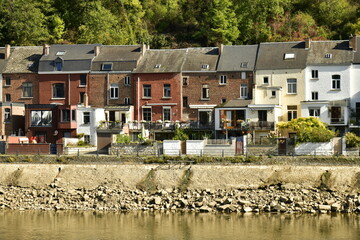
(204, 118)
(103, 141)
(239, 148)
(336, 115)
(282, 146)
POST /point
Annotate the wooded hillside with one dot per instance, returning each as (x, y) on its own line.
(175, 23)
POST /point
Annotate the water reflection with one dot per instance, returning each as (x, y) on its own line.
(175, 226)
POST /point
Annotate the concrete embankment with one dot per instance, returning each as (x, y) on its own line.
(196, 187)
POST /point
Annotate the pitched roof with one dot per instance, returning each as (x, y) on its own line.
(357, 53)
(238, 58)
(329, 52)
(279, 56)
(74, 57)
(3, 61)
(161, 61)
(235, 103)
(201, 59)
(123, 58)
(23, 60)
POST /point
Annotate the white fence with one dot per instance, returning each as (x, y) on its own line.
(325, 148)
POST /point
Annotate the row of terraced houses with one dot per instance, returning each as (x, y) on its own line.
(56, 91)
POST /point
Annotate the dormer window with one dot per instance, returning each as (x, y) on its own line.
(288, 56)
(244, 65)
(205, 66)
(106, 67)
(157, 66)
(58, 66)
(328, 55)
(60, 53)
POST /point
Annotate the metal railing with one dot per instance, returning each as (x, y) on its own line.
(110, 125)
(169, 125)
(262, 125)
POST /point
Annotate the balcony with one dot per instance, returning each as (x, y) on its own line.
(160, 126)
(262, 125)
(337, 121)
(109, 125)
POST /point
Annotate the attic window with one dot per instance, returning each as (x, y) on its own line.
(157, 66)
(106, 67)
(289, 56)
(244, 65)
(328, 55)
(60, 53)
(205, 66)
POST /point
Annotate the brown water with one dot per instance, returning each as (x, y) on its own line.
(174, 226)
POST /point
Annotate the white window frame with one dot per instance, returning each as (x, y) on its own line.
(223, 80)
(86, 115)
(314, 112)
(106, 67)
(291, 86)
(146, 91)
(114, 91)
(335, 83)
(27, 87)
(167, 90)
(289, 56)
(142, 113)
(55, 92)
(244, 91)
(314, 74)
(127, 81)
(163, 113)
(185, 81)
(243, 75)
(205, 92)
(315, 95)
(267, 80)
(127, 101)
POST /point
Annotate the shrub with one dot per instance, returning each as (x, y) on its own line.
(122, 138)
(351, 140)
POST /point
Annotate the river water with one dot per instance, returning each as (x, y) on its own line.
(175, 226)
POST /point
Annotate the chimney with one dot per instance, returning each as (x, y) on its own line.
(221, 49)
(307, 43)
(86, 100)
(97, 51)
(46, 49)
(7, 51)
(353, 42)
(143, 49)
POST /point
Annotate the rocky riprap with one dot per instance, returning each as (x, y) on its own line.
(268, 199)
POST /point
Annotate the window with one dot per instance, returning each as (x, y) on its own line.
(223, 80)
(87, 138)
(106, 67)
(146, 114)
(82, 80)
(58, 66)
(292, 112)
(7, 81)
(65, 115)
(243, 75)
(262, 115)
(289, 56)
(328, 55)
(185, 102)
(223, 100)
(82, 97)
(314, 74)
(314, 96)
(273, 94)
(167, 90)
(60, 53)
(185, 81)
(244, 65)
(58, 90)
(205, 66)
(291, 86)
(41, 118)
(166, 113)
(157, 66)
(114, 91)
(127, 80)
(86, 117)
(7, 115)
(266, 80)
(243, 91)
(7, 97)
(147, 90)
(73, 115)
(27, 90)
(205, 91)
(127, 101)
(314, 112)
(336, 82)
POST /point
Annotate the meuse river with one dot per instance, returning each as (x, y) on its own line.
(147, 225)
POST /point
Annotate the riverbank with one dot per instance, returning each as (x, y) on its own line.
(199, 188)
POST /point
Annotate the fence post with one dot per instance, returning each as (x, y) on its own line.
(78, 153)
(222, 152)
(201, 152)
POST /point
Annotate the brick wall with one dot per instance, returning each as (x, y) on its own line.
(16, 148)
(15, 89)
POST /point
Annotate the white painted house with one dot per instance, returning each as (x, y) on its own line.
(354, 83)
(327, 83)
(89, 119)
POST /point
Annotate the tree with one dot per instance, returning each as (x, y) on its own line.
(309, 129)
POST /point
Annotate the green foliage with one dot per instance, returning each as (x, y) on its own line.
(351, 140)
(122, 138)
(309, 129)
(80, 135)
(180, 135)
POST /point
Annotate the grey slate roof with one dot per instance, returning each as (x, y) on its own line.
(235, 103)
(357, 53)
(271, 56)
(76, 58)
(24, 60)
(123, 58)
(340, 51)
(170, 61)
(197, 57)
(238, 58)
(2, 58)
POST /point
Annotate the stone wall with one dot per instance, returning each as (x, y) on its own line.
(133, 149)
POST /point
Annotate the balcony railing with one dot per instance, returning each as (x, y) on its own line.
(262, 125)
(337, 121)
(110, 125)
(169, 125)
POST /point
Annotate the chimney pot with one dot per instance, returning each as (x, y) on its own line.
(307, 43)
(353, 42)
(97, 51)
(143, 49)
(46, 49)
(86, 100)
(7, 51)
(221, 49)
